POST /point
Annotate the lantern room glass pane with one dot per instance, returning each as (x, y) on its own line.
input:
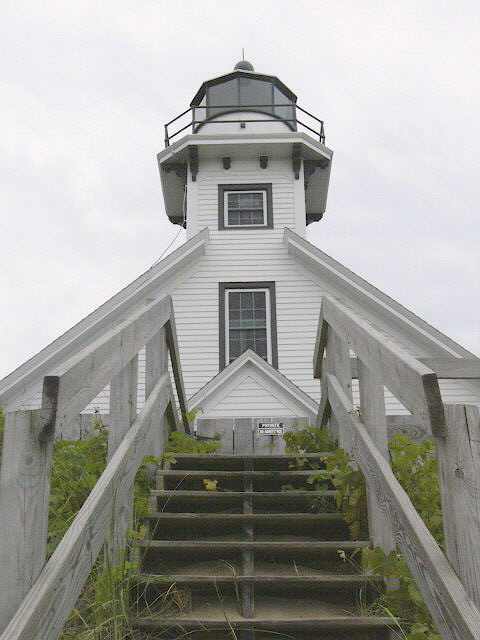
(222, 95)
(253, 92)
(285, 113)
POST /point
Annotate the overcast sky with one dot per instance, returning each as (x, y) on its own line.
(85, 89)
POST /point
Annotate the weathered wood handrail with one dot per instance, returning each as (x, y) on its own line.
(450, 587)
(27, 453)
(413, 383)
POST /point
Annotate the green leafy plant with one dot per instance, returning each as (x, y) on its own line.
(416, 467)
(405, 601)
(184, 443)
(308, 440)
(76, 467)
(349, 482)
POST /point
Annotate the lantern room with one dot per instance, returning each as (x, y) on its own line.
(244, 95)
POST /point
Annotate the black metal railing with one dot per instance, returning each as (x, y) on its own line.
(315, 125)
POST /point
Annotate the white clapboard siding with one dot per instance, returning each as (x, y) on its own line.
(249, 399)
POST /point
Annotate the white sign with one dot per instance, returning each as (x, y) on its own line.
(270, 429)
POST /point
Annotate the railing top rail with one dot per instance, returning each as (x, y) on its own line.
(77, 380)
(226, 108)
(81, 377)
(412, 382)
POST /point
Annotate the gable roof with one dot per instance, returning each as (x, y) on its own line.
(249, 364)
(22, 382)
(371, 298)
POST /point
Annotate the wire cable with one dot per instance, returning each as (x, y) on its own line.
(184, 211)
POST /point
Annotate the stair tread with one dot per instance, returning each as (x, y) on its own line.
(287, 473)
(327, 578)
(269, 610)
(251, 456)
(328, 516)
(233, 494)
(255, 544)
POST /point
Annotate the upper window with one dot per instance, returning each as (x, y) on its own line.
(245, 206)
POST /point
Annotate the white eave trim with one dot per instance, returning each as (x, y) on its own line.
(291, 137)
(17, 383)
(273, 376)
(368, 295)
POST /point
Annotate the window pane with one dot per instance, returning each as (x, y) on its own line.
(234, 218)
(235, 349)
(261, 348)
(234, 300)
(259, 299)
(245, 217)
(233, 199)
(260, 314)
(246, 300)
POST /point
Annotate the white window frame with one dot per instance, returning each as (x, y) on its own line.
(268, 320)
(242, 226)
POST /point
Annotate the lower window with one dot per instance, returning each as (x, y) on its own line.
(247, 321)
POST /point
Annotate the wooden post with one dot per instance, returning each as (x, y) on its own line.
(123, 412)
(24, 495)
(459, 466)
(156, 364)
(338, 363)
(372, 407)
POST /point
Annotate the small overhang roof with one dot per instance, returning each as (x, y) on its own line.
(238, 145)
(247, 364)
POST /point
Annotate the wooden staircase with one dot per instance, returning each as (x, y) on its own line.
(249, 560)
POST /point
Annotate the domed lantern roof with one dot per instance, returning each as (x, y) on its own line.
(244, 90)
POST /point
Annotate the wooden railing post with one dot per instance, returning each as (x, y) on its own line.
(24, 491)
(459, 467)
(372, 408)
(156, 364)
(24, 497)
(123, 412)
(338, 363)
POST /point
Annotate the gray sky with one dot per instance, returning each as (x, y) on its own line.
(86, 86)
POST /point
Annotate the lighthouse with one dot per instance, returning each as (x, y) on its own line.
(245, 169)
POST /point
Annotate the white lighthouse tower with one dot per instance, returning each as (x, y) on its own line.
(252, 167)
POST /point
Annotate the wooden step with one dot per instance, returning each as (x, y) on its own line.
(335, 581)
(334, 517)
(226, 495)
(261, 475)
(237, 462)
(317, 546)
(285, 617)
